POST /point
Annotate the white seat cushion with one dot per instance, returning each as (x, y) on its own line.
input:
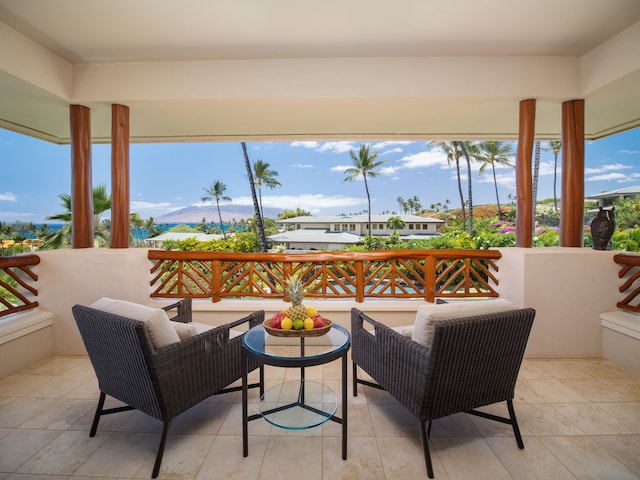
(187, 330)
(427, 314)
(184, 330)
(160, 328)
(405, 330)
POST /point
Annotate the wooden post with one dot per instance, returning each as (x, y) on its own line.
(81, 188)
(524, 188)
(572, 194)
(120, 176)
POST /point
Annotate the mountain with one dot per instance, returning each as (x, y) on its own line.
(195, 214)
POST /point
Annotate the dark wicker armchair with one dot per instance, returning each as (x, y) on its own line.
(472, 362)
(161, 382)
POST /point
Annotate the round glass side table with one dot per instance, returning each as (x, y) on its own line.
(294, 404)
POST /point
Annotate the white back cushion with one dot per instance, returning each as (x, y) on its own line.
(188, 330)
(184, 330)
(427, 314)
(160, 328)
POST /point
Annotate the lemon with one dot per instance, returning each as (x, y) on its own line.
(286, 324)
(308, 324)
(311, 311)
(298, 325)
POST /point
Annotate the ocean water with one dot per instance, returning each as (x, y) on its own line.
(54, 227)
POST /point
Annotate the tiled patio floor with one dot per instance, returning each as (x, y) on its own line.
(580, 419)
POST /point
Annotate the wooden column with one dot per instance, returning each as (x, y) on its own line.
(119, 176)
(81, 188)
(524, 188)
(572, 194)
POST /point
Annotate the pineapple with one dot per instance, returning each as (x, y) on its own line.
(295, 289)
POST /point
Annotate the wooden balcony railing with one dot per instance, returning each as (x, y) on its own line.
(386, 274)
(630, 271)
(15, 274)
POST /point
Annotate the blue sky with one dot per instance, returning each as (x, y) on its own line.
(167, 177)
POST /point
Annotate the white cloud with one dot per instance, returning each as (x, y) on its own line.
(308, 201)
(630, 152)
(8, 197)
(428, 158)
(381, 145)
(546, 168)
(311, 145)
(208, 203)
(340, 168)
(392, 150)
(606, 177)
(302, 165)
(612, 167)
(332, 147)
(16, 215)
(343, 147)
(150, 209)
(388, 170)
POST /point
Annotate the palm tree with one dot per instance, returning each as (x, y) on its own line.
(416, 204)
(395, 223)
(299, 212)
(137, 223)
(263, 175)
(555, 145)
(216, 191)
(254, 197)
(536, 174)
(468, 150)
(152, 228)
(101, 203)
(453, 155)
(365, 165)
(492, 152)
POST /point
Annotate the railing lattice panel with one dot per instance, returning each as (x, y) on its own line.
(388, 274)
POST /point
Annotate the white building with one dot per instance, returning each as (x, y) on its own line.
(337, 231)
(606, 199)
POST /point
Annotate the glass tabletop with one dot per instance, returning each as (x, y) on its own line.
(258, 341)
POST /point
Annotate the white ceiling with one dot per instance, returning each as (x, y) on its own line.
(279, 69)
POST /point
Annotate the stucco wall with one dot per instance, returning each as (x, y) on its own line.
(569, 288)
(67, 277)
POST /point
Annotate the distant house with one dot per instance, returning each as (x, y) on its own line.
(335, 232)
(314, 239)
(607, 199)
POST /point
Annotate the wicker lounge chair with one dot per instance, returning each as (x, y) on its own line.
(161, 382)
(472, 362)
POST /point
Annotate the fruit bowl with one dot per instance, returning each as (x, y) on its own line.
(315, 332)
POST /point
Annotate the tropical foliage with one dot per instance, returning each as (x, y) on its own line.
(62, 238)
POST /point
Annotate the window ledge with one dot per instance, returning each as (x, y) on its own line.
(626, 323)
(21, 324)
